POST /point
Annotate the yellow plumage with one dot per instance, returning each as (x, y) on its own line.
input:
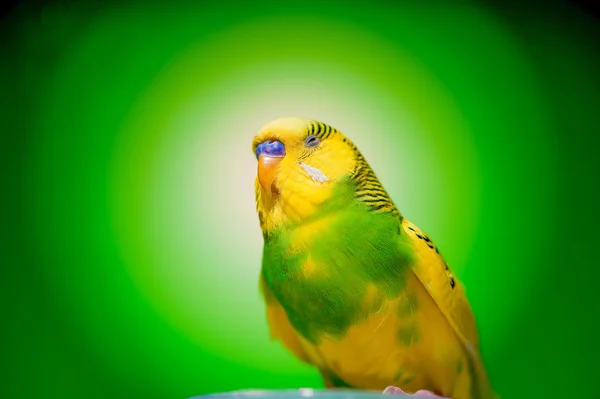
(426, 338)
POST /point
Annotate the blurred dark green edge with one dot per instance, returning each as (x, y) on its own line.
(571, 304)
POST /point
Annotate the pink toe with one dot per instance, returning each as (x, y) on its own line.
(393, 391)
(422, 393)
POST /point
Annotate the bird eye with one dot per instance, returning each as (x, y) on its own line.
(312, 141)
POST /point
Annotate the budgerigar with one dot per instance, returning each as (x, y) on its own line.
(350, 285)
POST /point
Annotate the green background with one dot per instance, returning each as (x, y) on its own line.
(132, 245)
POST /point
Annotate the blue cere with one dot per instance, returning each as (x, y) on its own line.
(270, 148)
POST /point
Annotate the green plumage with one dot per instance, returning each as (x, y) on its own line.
(356, 248)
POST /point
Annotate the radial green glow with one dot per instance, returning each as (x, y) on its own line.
(143, 241)
(189, 229)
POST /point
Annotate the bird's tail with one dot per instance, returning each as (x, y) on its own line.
(481, 387)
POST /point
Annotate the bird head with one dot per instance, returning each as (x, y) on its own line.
(299, 163)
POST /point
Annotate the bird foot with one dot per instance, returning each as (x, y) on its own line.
(391, 390)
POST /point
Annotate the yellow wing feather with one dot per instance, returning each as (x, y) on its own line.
(449, 295)
(442, 285)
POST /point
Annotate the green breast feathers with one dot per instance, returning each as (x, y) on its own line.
(320, 270)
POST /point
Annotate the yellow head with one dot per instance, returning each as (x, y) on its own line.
(299, 161)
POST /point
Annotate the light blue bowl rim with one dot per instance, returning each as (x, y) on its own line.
(293, 394)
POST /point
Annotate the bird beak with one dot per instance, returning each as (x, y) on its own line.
(268, 166)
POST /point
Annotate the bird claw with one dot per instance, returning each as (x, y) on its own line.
(391, 390)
